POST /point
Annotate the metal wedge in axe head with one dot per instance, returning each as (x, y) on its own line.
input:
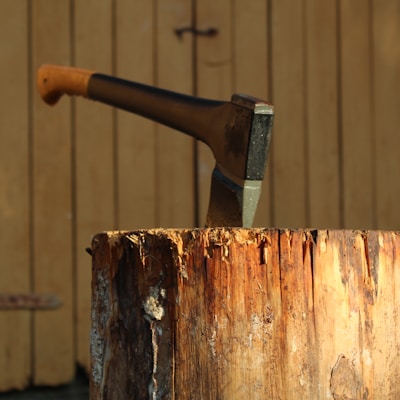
(237, 132)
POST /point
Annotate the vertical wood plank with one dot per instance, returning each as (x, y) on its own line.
(251, 67)
(322, 115)
(356, 116)
(94, 155)
(136, 138)
(250, 48)
(214, 78)
(386, 61)
(15, 335)
(52, 255)
(288, 162)
(174, 151)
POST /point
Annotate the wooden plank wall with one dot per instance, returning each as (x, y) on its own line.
(331, 69)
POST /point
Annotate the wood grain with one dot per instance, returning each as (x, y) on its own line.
(245, 314)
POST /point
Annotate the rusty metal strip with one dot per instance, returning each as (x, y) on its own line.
(30, 301)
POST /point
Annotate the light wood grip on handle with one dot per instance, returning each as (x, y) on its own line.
(54, 80)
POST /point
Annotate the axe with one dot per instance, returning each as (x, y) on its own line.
(237, 132)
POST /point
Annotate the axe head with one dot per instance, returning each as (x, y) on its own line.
(240, 164)
(238, 132)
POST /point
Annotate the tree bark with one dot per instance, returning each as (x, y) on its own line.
(245, 314)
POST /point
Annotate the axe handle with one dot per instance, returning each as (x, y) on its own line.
(200, 118)
(224, 126)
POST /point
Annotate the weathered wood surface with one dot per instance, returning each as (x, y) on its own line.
(245, 314)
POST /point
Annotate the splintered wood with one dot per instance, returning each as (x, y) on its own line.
(245, 314)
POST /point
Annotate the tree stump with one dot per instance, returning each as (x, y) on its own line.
(245, 314)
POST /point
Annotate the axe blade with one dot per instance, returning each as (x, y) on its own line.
(236, 186)
(231, 204)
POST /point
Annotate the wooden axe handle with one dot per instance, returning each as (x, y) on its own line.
(53, 81)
